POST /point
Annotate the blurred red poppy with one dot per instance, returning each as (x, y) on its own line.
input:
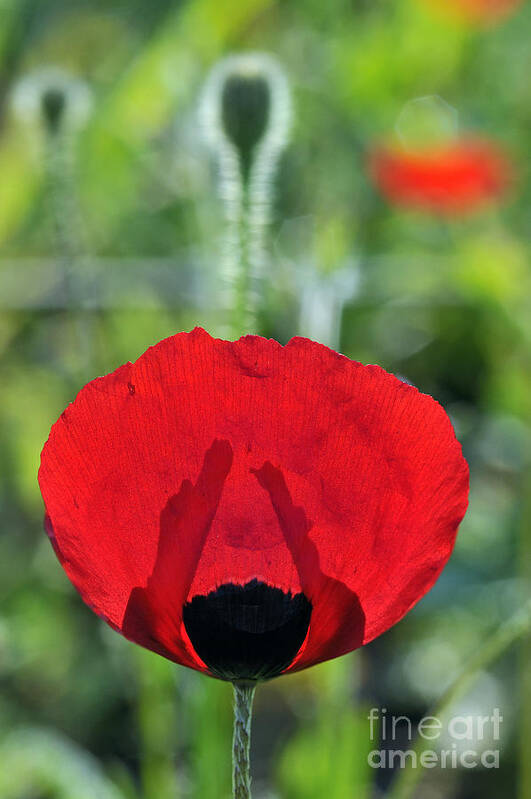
(479, 11)
(453, 179)
(245, 508)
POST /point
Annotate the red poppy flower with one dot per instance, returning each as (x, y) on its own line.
(450, 180)
(479, 11)
(247, 509)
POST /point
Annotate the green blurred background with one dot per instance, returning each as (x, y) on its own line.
(109, 241)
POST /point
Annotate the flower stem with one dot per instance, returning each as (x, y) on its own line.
(244, 300)
(241, 741)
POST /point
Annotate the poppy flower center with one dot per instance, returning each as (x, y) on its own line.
(247, 632)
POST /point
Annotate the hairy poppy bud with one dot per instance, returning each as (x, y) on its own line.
(53, 104)
(245, 116)
(52, 97)
(245, 107)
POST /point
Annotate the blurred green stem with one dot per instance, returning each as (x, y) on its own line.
(69, 239)
(513, 629)
(241, 741)
(244, 317)
(524, 781)
(60, 195)
(157, 725)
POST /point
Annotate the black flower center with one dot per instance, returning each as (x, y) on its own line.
(247, 632)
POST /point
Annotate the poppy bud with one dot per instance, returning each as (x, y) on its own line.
(53, 98)
(245, 106)
(53, 105)
(245, 116)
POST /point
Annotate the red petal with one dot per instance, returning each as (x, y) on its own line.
(209, 462)
(452, 180)
(479, 11)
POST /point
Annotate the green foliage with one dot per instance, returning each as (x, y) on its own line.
(41, 762)
(327, 755)
(328, 758)
(444, 303)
